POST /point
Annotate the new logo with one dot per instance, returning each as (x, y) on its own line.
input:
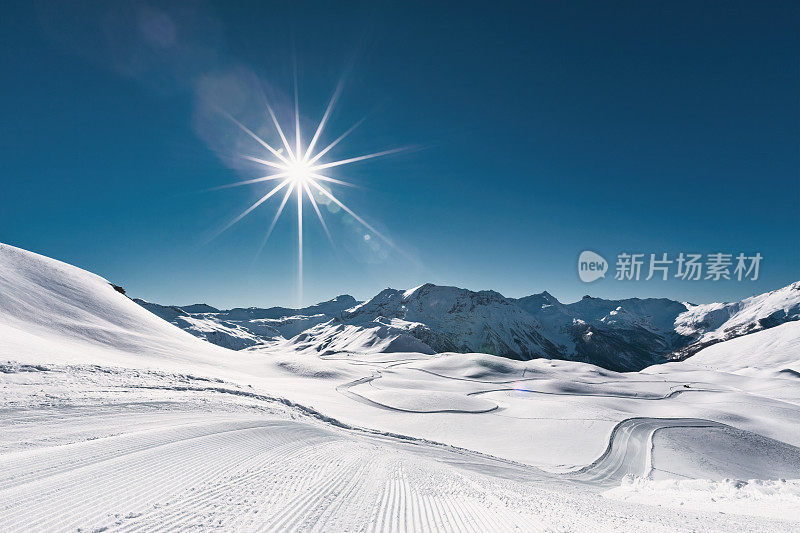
(591, 266)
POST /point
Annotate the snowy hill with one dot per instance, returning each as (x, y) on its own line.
(382, 335)
(774, 351)
(199, 308)
(60, 313)
(709, 324)
(209, 327)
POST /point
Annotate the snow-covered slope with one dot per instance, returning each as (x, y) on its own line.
(382, 335)
(64, 314)
(704, 325)
(209, 327)
(774, 351)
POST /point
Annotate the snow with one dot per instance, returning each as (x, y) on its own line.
(114, 418)
(58, 313)
(741, 497)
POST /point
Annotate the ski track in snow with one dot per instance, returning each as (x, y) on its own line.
(286, 470)
(630, 449)
(346, 390)
(250, 475)
(294, 469)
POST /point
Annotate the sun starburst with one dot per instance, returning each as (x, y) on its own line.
(297, 169)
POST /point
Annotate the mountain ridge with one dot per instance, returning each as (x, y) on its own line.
(624, 335)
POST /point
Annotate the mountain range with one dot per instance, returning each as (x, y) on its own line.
(622, 335)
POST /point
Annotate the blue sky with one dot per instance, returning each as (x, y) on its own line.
(546, 129)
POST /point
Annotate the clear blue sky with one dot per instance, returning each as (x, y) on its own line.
(548, 128)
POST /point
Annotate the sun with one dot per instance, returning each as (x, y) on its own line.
(298, 169)
(299, 172)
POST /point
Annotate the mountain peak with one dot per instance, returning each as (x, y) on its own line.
(199, 308)
(342, 298)
(456, 319)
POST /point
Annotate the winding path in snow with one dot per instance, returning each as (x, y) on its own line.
(650, 397)
(346, 389)
(630, 449)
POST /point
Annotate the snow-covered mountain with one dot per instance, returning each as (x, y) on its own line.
(773, 352)
(622, 335)
(633, 333)
(447, 319)
(241, 328)
(379, 336)
(704, 325)
(330, 308)
(627, 334)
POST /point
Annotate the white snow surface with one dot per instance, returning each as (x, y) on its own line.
(753, 497)
(114, 419)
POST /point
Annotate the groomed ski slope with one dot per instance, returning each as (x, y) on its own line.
(136, 452)
(114, 419)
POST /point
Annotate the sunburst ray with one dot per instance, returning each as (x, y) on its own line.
(339, 139)
(249, 182)
(280, 131)
(316, 210)
(266, 163)
(252, 207)
(258, 139)
(332, 180)
(358, 158)
(299, 168)
(322, 122)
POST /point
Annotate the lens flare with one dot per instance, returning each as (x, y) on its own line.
(298, 169)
